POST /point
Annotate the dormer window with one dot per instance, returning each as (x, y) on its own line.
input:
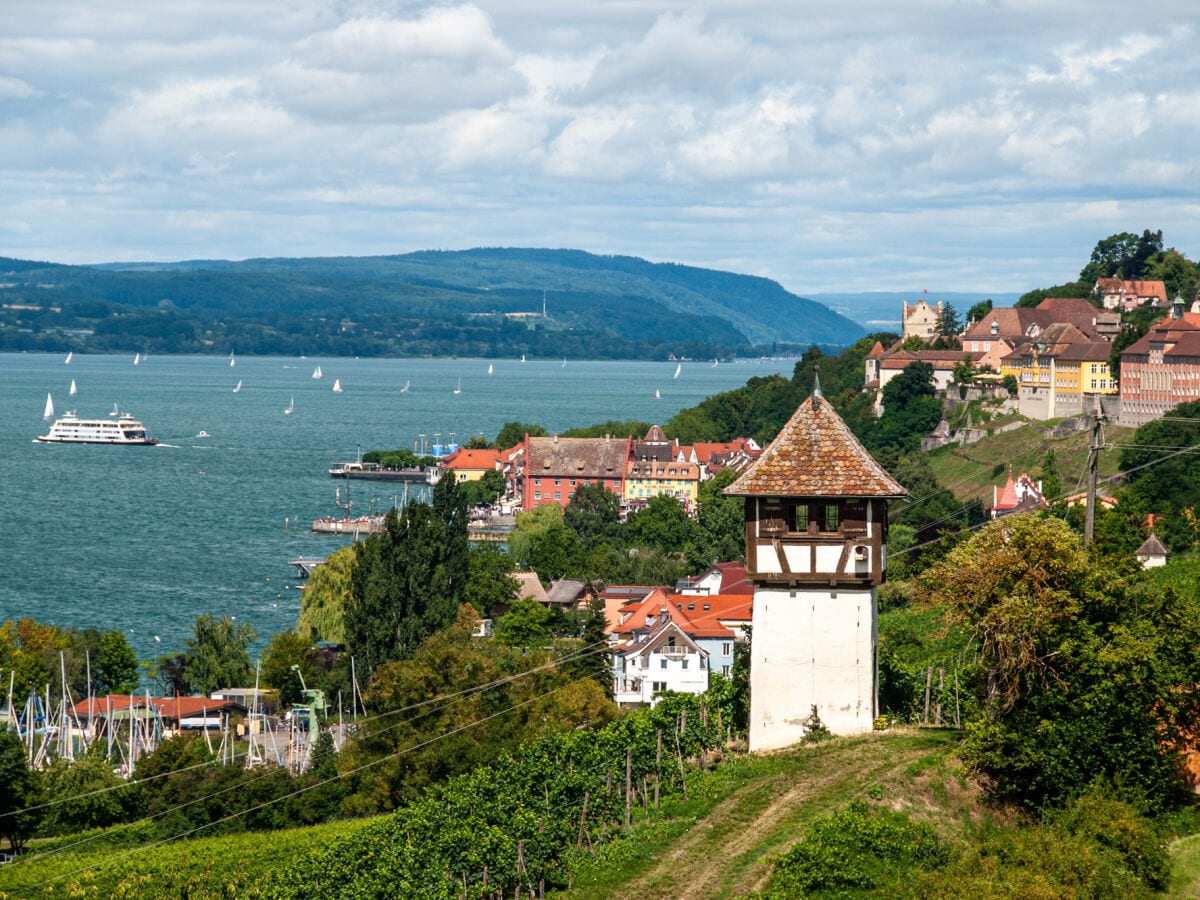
(995, 327)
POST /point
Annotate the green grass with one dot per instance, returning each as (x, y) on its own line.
(748, 811)
(1185, 867)
(225, 866)
(969, 472)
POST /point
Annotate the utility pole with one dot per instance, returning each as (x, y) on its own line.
(1089, 526)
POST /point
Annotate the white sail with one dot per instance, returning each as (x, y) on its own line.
(137, 358)
(522, 357)
(49, 413)
(404, 390)
(72, 391)
(458, 390)
(678, 369)
(67, 361)
(231, 361)
(490, 370)
(238, 387)
(657, 396)
(317, 373)
(337, 385)
(291, 405)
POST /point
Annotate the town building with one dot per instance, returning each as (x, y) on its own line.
(1060, 373)
(1152, 553)
(1160, 370)
(921, 320)
(1019, 495)
(816, 533)
(555, 466)
(656, 467)
(471, 464)
(1126, 294)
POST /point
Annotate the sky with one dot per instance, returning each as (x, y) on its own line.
(874, 145)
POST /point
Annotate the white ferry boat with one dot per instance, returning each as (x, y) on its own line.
(70, 429)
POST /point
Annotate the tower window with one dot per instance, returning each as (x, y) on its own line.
(800, 517)
(831, 518)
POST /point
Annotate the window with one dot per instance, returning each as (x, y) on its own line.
(831, 518)
(572, 482)
(537, 481)
(725, 649)
(706, 607)
(537, 495)
(662, 663)
(683, 663)
(691, 607)
(725, 671)
(800, 517)
(558, 495)
(660, 687)
(557, 482)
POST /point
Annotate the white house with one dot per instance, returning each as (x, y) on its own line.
(666, 660)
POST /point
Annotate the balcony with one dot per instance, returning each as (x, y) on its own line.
(674, 652)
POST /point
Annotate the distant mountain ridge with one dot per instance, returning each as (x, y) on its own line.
(432, 303)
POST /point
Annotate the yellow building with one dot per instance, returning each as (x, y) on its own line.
(648, 478)
(1058, 370)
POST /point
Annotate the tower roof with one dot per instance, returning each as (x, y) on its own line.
(816, 455)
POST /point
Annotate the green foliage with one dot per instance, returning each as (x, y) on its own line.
(1123, 255)
(1081, 289)
(217, 655)
(451, 509)
(948, 322)
(916, 647)
(758, 410)
(513, 433)
(721, 535)
(288, 649)
(855, 852)
(526, 625)
(116, 666)
(530, 802)
(814, 729)
(978, 311)
(21, 789)
(485, 489)
(610, 428)
(911, 411)
(594, 514)
(663, 525)
(1083, 659)
(323, 600)
(87, 794)
(1161, 479)
(400, 587)
(490, 582)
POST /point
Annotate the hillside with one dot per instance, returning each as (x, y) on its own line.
(485, 302)
(970, 472)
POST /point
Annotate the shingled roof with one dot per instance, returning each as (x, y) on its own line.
(815, 455)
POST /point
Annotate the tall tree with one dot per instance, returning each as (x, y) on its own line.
(217, 654)
(948, 323)
(513, 433)
(400, 587)
(116, 666)
(21, 791)
(323, 601)
(594, 514)
(662, 525)
(451, 509)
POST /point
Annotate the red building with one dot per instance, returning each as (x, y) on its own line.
(554, 467)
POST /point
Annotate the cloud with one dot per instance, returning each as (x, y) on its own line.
(846, 147)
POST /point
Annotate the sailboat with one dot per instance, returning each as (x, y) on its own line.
(522, 357)
(231, 362)
(657, 396)
(714, 365)
(238, 387)
(404, 390)
(564, 365)
(137, 358)
(317, 373)
(49, 413)
(678, 369)
(458, 390)
(115, 411)
(490, 370)
(72, 391)
(67, 361)
(291, 405)
(337, 385)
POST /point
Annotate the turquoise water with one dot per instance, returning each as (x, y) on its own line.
(147, 538)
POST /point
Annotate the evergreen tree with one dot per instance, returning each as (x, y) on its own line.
(20, 790)
(451, 509)
(116, 668)
(400, 587)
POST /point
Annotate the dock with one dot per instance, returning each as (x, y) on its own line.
(304, 567)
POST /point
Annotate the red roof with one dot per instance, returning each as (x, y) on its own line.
(464, 459)
(876, 351)
(702, 620)
(167, 707)
(816, 455)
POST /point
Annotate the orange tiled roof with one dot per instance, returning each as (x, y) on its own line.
(463, 459)
(816, 455)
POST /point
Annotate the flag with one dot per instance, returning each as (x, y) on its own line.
(925, 291)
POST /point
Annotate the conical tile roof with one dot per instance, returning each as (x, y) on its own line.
(816, 455)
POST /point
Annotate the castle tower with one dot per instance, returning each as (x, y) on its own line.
(816, 533)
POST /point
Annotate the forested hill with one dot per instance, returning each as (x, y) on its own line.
(427, 303)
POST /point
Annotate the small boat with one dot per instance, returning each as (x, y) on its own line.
(404, 390)
(657, 396)
(678, 369)
(238, 386)
(115, 410)
(317, 373)
(137, 358)
(714, 365)
(291, 405)
(203, 434)
(337, 385)
(458, 390)
(231, 361)
(564, 365)
(49, 413)
(522, 357)
(72, 390)
(67, 361)
(490, 369)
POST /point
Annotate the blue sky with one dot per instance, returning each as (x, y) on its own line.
(968, 146)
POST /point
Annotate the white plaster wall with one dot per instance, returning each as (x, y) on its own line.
(811, 646)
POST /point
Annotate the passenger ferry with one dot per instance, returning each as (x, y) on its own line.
(123, 429)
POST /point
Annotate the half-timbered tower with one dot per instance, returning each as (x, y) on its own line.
(816, 533)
